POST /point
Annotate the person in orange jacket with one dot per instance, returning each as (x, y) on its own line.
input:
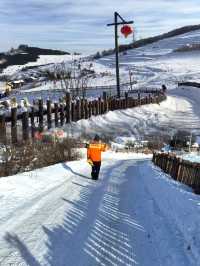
(94, 150)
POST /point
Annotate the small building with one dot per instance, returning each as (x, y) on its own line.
(195, 147)
(18, 83)
(15, 84)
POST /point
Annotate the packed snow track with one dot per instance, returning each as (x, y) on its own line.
(134, 215)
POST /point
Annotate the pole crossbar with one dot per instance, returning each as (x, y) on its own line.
(120, 23)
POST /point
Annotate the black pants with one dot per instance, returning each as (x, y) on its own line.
(95, 170)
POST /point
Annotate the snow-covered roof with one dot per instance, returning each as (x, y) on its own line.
(123, 140)
(18, 81)
(195, 145)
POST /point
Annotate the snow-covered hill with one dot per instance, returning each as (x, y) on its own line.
(42, 60)
(152, 66)
(157, 64)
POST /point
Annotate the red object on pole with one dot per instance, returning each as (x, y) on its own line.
(126, 30)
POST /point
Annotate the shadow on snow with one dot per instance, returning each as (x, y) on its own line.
(95, 231)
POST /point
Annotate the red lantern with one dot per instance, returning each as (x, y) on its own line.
(126, 30)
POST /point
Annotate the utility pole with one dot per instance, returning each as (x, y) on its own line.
(117, 56)
(116, 23)
(190, 142)
(130, 77)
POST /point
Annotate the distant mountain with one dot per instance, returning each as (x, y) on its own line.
(150, 40)
(25, 54)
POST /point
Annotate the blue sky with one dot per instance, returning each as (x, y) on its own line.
(80, 25)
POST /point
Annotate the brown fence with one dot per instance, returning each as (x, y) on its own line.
(57, 114)
(181, 170)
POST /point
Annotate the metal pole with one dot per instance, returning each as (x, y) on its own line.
(130, 76)
(190, 143)
(116, 23)
(117, 56)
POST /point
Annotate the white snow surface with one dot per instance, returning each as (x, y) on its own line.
(172, 114)
(193, 157)
(42, 60)
(133, 215)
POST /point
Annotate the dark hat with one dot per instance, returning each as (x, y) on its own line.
(96, 138)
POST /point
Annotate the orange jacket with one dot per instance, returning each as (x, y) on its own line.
(94, 151)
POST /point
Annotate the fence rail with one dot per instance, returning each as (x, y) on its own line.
(57, 114)
(189, 84)
(181, 170)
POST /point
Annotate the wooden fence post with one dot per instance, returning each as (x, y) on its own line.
(93, 107)
(86, 111)
(196, 185)
(122, 103)
(115, 104)
(32, 115)
(62, 115)
(131, 102)
(41, 113)
(96, 107)
(105, 102)
(49, 111)
(119, 104)
(102, 107)
(99, 106)
(73, 111)
(25, 125)
(3, 129)
(14, 125)
(68, 107)
(82, 108)
(139, 99)
(150, 100)
(179, 169)
(126, 99)
(109, 104)
(77, 110)
(89, 109)
(56, 114)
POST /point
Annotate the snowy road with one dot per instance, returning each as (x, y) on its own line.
(133, 215)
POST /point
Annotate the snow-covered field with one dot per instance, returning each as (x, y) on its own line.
(134, 215)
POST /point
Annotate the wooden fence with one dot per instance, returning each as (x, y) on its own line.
(50, 114)
(189, 84)
(181, 170)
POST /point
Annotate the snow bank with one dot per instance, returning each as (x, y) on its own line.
(174, 113)
(192, 157)
(181, 209)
